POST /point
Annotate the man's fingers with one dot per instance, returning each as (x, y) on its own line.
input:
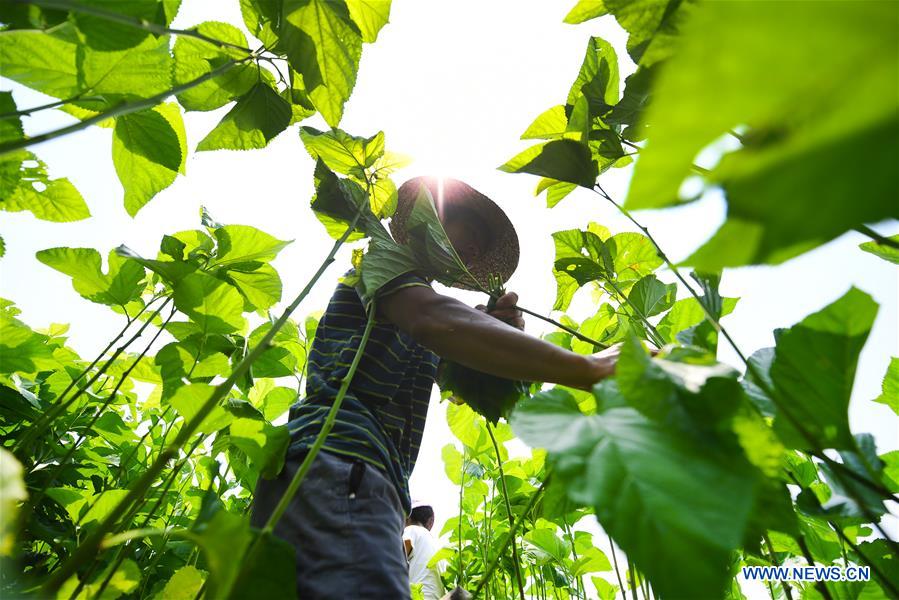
(506, 314)
(507, 300)
(481, 308)
(517, 323)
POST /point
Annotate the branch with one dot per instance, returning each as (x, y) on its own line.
(502, 481)
(27, 111)
(133, 22)
(122, 109)
(880, 239)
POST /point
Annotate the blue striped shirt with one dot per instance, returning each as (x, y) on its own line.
(383, 414)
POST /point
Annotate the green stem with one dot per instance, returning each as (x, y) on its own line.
(86, 551)
(122, 109)
(133, 22)
(894, 591)
(650, 328)
(880, 239)
(632, 579)
(38, 428)
(772, 556)
(617, 571)
(502, 481)
(511, 536)
(573, 332)
(822, 586)
(25, 112)
(459, 535)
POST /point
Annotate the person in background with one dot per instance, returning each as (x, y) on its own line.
(420, 547)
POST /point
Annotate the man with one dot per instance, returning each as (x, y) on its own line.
(420, 546)
(347, 519)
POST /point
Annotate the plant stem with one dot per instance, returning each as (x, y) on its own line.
(61, 405)
(632, 579)
(573, 332)
(880, 239)
(511, 536)
(461, 489)
(25, 112)
(822, 586)
(773, 558)
(122, 109)
(132, 21)
(877, 571)
(502, 481)
(650, 328)
(87, 549)
(617, 571)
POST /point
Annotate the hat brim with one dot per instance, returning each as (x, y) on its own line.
(500, 256)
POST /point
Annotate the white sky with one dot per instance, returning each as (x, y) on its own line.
(452, 84)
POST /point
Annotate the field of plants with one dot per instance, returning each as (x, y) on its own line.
(129, 471)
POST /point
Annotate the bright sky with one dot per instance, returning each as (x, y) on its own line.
(452, 84)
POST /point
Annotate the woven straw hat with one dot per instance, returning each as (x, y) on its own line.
(499, 258)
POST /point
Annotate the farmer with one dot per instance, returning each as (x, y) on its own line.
(420, 546)
(346, 521)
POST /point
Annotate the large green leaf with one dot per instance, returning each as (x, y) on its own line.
(254, 121)
(194, 58)
(263, 443)
(813, 371)
(650, 297)
(188, 400)
(549, 125)
(21, 348)
(122, 282)
(245, 244)
(563, 160)
(663, 497)
(50, 200)
(261, 18)
(184, 584)
(324, 46)
(809, 144)
(342, 152)
(139, 72)
(652, 25)
(211, 303)
(40, 61)
(223, 538)
(102, 33)
(597, 80)
(148, 152)
(261, 287)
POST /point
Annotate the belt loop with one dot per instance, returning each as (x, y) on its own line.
(356, 474)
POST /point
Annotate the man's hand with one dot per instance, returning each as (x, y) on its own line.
(505, 310)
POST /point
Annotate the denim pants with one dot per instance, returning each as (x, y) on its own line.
(346, 524)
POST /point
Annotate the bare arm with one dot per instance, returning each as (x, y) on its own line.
(471, 338)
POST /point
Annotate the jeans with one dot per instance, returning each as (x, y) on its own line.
(346, 524)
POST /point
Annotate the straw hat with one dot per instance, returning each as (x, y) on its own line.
(500, 257)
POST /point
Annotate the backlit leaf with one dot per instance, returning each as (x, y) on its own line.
(884, 251)
(120, 284)
(370, 16)
(890, 386)
(563, 160)
(255, 120)
(211, 303)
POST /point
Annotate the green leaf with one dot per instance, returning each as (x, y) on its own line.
(54, 200)
(452, 463)
(563, 160)
(551, 124)
(643, 477)
(10, 131)
(490, 396)
(687, 313)
(597, 80)
(104, 34)
(254, 121)
(188, 400)
(243, 244)
(125, 580)
(139, 72)
(286, 354)
(652, 26)
(342, 152)
(369, 16)
(261, 287)
(884, 251)
(890, 386)
(214, 305)
(21, 348)
(325, 48)
(122, 283)
(634, 256)
(261, 18)
(41, 61)
(147, 153)
(222, 538)
(650, 297)
(195, 58)
(185, 584)
(585, 10)
(808, 128)
(12, 493)
(263, 443)
(813, 371)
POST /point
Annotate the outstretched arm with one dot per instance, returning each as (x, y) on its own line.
(471, 338)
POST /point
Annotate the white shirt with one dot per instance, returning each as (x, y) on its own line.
(423, 548)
